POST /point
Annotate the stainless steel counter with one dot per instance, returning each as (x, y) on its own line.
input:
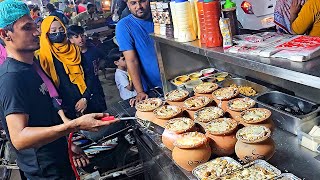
(306, 73)
(289, 156)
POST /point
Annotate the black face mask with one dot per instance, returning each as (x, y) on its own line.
(57, 37)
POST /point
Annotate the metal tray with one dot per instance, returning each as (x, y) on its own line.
(287, 176)
(242, 82)
(282, 118)
(258, 163)
(197, 171)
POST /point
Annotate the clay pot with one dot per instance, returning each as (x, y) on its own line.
(262, 148)
(192, 110)
(267, 121)
(222, 143)
(148, 116)
(189, 157)
(235, 113)
(145, 112)
(223, 102)
(180, 104)
(176, 100)
(207, 95)
(169, 136)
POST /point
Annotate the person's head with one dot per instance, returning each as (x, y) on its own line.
(66, 2)
(52, 29)
(50, 7)
(76, 35)
(139, 8)
(36, 10)
(78, 2)
(38, 22)
(90, 8)
(118, 58)
(18, 31)
(84, 1)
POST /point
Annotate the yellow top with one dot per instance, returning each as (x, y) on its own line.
(308, 20)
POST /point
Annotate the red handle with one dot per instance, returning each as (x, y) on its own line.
(107, 118)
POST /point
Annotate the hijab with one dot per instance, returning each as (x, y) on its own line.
(68, 54)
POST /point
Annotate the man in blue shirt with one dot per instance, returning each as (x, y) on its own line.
(132, 33)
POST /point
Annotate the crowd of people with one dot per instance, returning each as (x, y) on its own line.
(49, 84)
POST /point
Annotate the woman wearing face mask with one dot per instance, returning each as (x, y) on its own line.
(62, 62)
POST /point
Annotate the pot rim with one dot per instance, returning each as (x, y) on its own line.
(207, 101)
(179, 111)
(195, 145)
(186, 94)
(267, 111)
(171, 121)
(267, 136)
(197, 118)
(236, 93)
(216, 86)
(234, 126)
(157, 100)
(240, 109)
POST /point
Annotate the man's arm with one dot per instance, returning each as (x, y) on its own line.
(134, 71)
(24, 137)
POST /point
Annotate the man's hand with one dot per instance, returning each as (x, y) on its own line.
(295, 7)
(140, 96)
(80, 159)
(81, 105)
(92, 122)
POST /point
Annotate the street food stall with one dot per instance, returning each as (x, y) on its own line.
(194, 80)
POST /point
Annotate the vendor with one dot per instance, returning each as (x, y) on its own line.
(30, 121)
(305, 19)
(132, 33)
(85, 17)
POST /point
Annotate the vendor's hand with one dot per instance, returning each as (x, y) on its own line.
(132, 102)
(141, 96)
(92, 122)
(80, 159)
(81, 105)
(295, 7)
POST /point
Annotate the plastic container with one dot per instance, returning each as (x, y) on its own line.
(155, 17)
(160, 12)
(174, 19)
(194, 16)
(184, 21)
(306, 140)
(212, 14)
(202, 27)
(167, 19)
(229, 11)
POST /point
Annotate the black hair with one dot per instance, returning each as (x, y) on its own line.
(89, 6)
(35, 9)
(74, 30)
(7, 28)
(115, 55)
(51, 7)
(66, 2)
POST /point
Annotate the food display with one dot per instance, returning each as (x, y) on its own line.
(208, 71)
(208, 114)
(167, 112)
(287, 176)
(253, 134)
(181, 79)
(190, 140)
(225, 93)
(221, 126)
(148, 105)
(179, 125)
(245, 90)
(177, 95)
(206, 87)
(240, 104)
(196, 102)
(221, 76)
(216, 168)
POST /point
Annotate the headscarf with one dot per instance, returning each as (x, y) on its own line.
(282, 15)
(68, 54)
(11, 11)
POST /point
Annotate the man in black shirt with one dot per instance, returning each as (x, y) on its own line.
(26, 110)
